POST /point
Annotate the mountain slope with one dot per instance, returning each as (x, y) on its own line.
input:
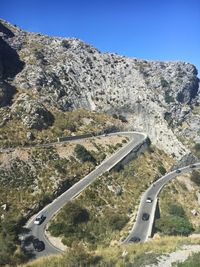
(66, 74)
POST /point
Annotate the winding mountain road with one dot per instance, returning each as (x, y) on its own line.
(38, 231)
(143, 229)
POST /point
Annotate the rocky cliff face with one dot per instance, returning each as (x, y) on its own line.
(66, 73)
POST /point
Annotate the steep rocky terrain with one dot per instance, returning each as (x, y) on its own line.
(40, 73)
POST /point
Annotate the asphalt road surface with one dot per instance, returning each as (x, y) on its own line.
(38, 231)
(142, 229)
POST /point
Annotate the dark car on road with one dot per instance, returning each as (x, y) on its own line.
(145, 216)
(38, 245)
(135, 239)
(39, 219)
(178, 171)
(192, 166)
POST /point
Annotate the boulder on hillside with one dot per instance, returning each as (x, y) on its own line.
(36, 116)
(30, 136)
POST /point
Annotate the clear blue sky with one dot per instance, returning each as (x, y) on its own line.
(149, 29)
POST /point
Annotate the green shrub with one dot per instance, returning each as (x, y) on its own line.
(162, 169)
(116, 221)
(122, 118)
(174, 225)
(46, 199)
(60, 165)
(8, 243)
(57, 229)
(195, 177)
(197, 147)
(197, 150)
(180, 97)
(83, 154)
(79, 257)
(164, 83)
(115, 116)
(177, 210)
(68, 241)
(65, 44)
(73, 213)
(168, 98)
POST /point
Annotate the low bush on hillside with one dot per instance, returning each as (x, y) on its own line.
(197, 150)
(168, 98)
(83, 154)
(174, 225)
(116, 221)
(73, 213)
(161, 169)
(163, 82)
(177, 210)
(71, 216)
(120, 117)
(180, 97)
(14, 132)
(195, 177)
(10, 253)
(74, 222)
(174, 221)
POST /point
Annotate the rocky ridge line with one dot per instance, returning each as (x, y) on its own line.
(66, 73)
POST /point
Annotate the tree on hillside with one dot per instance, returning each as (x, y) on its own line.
(8, 244)
(83, 154)
(174, 225)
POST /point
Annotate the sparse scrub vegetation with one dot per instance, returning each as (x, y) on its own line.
(30, 183)
(181, 195)
(108, 210)
(83, 154)
(197, 150)
(180, 97)
(80, 121)
(195, 177)
(120, 117)
(161, 169)
(174, 225)
(10, 252)
(168, 98)
(164, 83)
(115, 256)
(174, 220)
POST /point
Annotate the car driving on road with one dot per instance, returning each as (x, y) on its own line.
(178, 171)
(145, 216)
(39, 219)
(192, 166)
(135, 239)
(149, 200)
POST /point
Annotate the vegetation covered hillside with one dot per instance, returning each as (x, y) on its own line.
(109, 204)
(32, 176)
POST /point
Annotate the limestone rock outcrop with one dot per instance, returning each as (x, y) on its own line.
(66, 73)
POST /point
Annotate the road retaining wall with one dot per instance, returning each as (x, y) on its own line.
(152, 218)
(134, 153)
